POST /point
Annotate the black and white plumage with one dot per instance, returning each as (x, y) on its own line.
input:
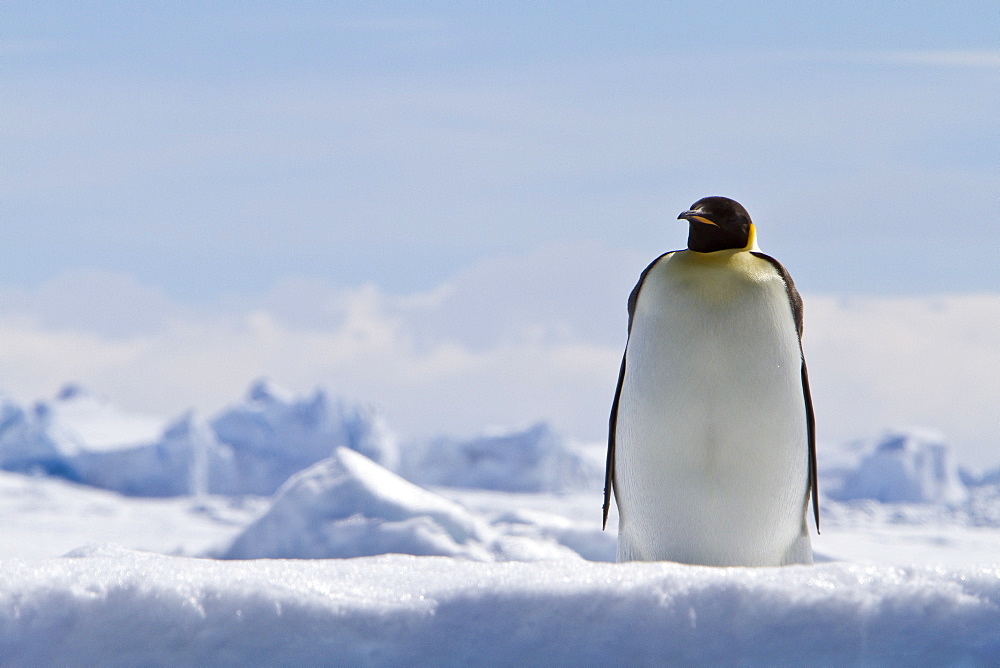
(712, 445)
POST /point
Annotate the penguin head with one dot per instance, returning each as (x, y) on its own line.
(718, 223)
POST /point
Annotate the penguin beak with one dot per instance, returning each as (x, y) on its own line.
(695, 214)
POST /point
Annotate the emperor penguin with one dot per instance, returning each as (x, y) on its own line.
(712, 440)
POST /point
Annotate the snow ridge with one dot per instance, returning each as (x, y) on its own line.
(403, 610)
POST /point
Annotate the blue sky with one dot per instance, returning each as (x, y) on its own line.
(354, 170)
(214, 147)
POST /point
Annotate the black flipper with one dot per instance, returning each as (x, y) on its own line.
(795, 301)
(609, 468)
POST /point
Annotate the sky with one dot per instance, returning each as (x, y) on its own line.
(440, 208)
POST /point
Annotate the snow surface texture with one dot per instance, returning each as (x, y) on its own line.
(110, 606)
(44, 517)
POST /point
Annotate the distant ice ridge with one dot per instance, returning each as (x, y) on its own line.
(254, 446)
(273, 434)
(250, 448)
(905, 466)
(185, 459)
(49, 437)
(536, 459)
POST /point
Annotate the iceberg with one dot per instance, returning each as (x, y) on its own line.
(906, 466)
(273, 434)
(536, 459)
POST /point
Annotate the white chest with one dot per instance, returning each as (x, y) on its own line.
(711, 437)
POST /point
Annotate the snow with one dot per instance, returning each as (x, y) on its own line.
(251, 447)
(111, 606)
(351, 563)
(273, 434)
(348, 506)
(912, 466)
(44, 517)
(536, 459)
(186, 459)
(97, 424)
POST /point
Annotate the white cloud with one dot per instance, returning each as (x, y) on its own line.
(882, 361)
(543, 342)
